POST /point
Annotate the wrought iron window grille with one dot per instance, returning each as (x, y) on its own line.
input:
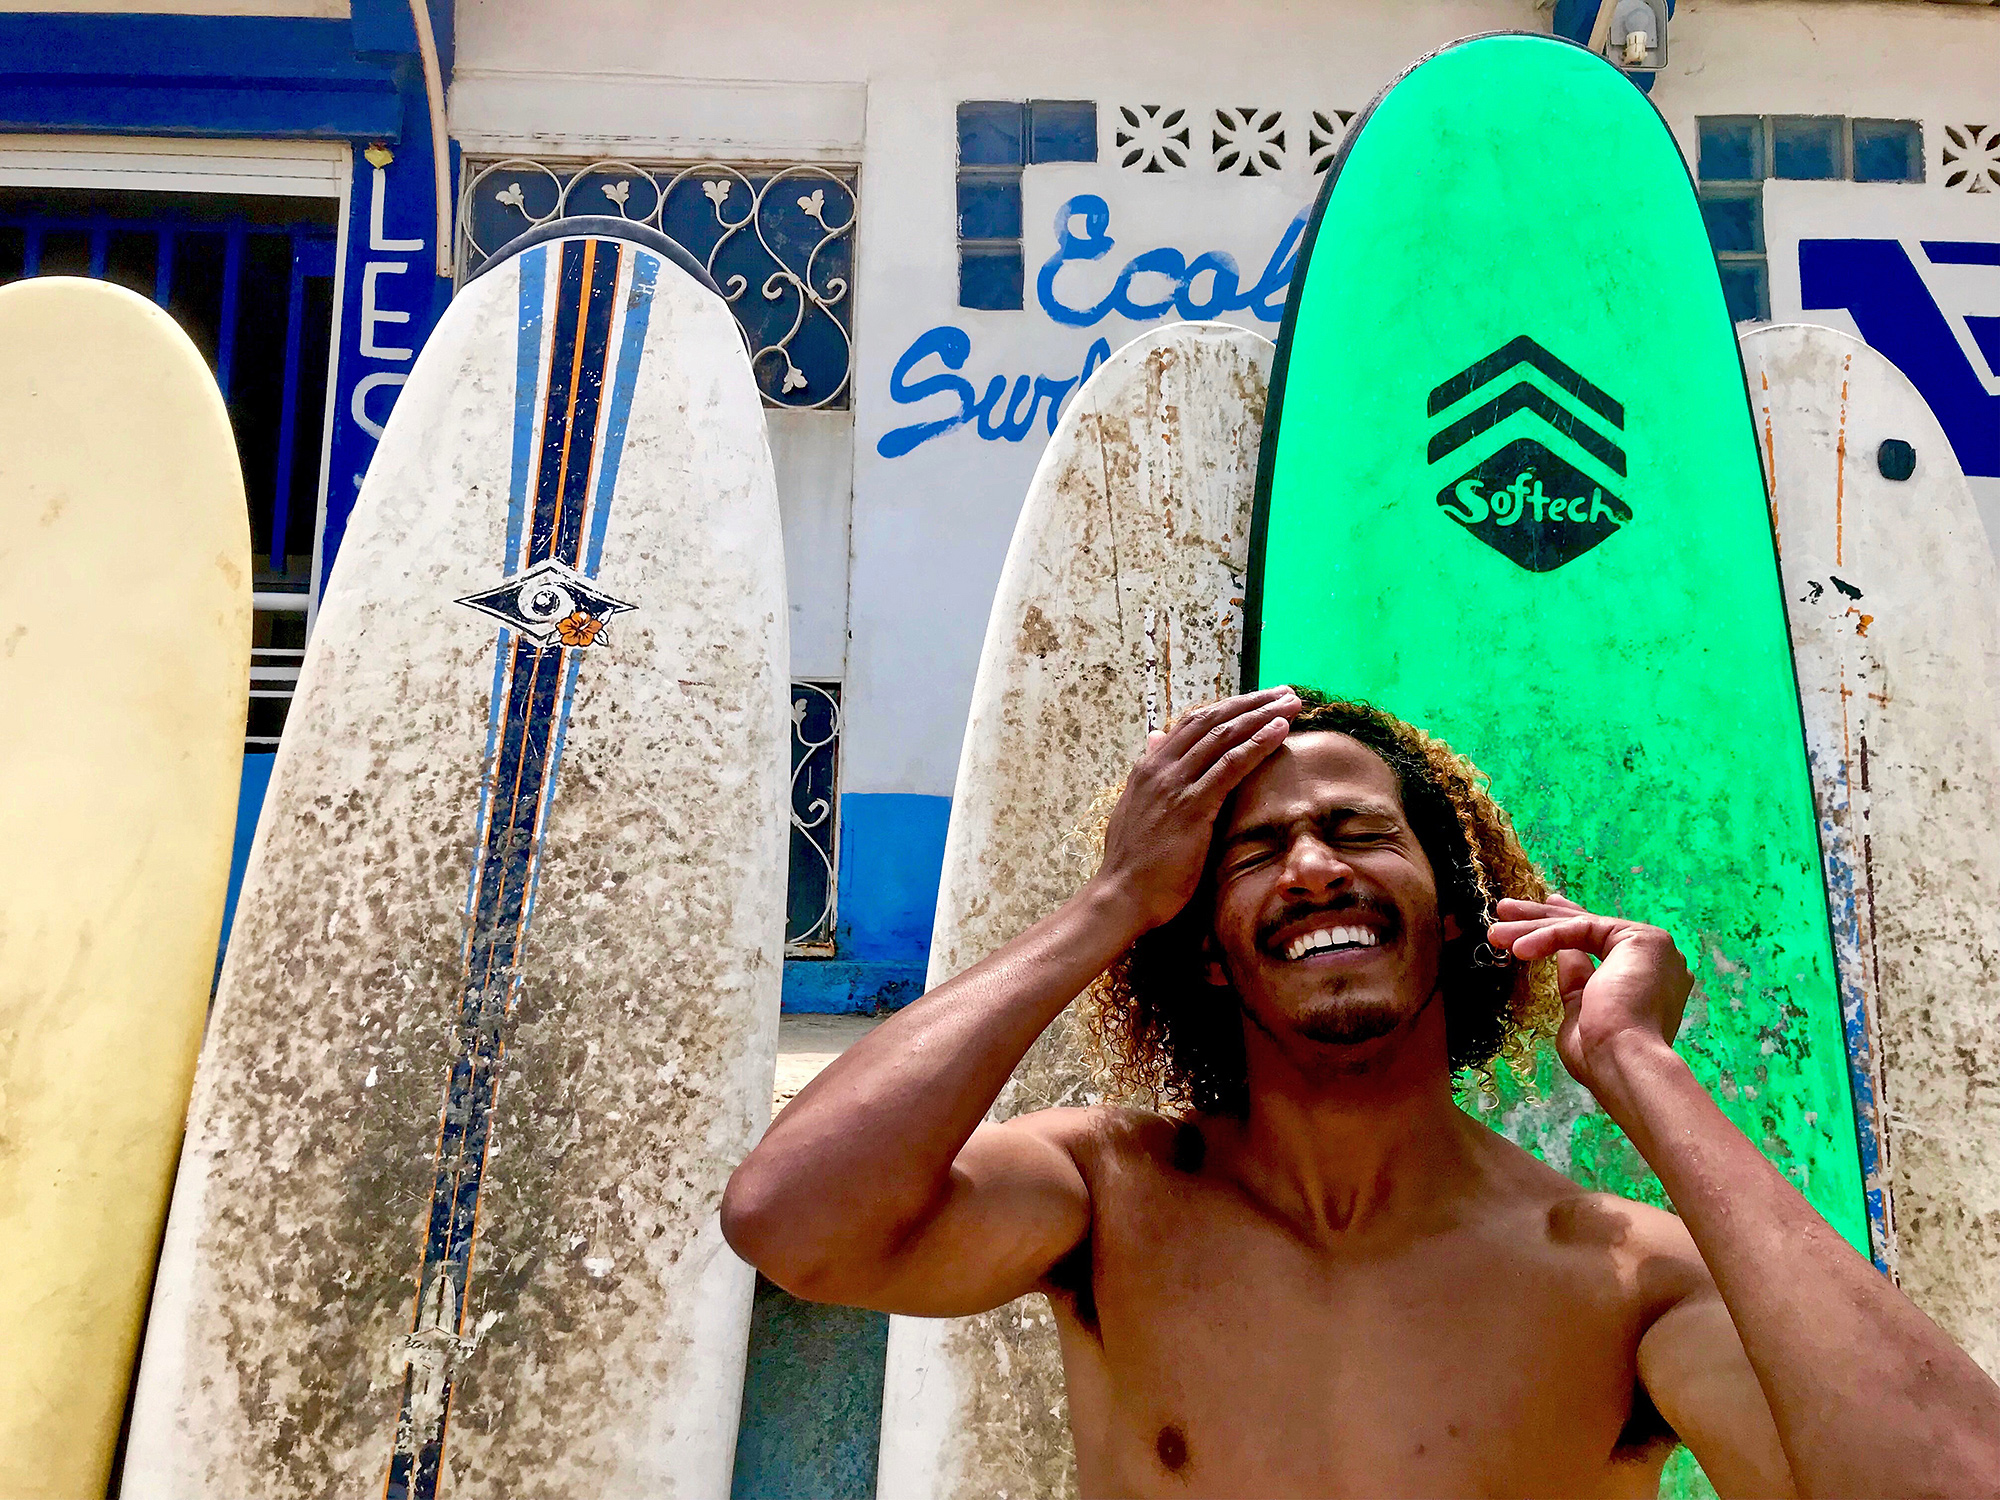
(778, 239)
(812, 888)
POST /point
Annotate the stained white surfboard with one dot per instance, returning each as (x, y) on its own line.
(1120, 606)
(1894, 602)
(124, 675)
(500, 1006)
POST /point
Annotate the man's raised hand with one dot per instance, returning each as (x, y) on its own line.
(1635, 992)
(1159, 833)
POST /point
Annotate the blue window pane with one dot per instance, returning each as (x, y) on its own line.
(1731, 148)
(1062, 130)
(1806, 147)
(1888, 151)
(989, 133)
(1745, 290)
(989, 208)
(989, 276)
(1734, 222)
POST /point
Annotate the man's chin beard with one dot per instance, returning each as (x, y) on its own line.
(1348, 1023)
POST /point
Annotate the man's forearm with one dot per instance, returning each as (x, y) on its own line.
(866, 1149)
(1870, 1397)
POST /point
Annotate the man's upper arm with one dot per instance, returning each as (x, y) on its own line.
(1693, 1366)
(1016, 1204)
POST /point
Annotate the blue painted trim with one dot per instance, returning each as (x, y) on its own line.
(272, 113)
(202, 76)
(891, 854)
(383, 29)
(834, 986)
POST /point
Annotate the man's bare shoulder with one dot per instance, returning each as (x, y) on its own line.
(1651, 1242)
(1110, 1138)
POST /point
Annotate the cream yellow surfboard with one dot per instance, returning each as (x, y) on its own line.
(124, 669)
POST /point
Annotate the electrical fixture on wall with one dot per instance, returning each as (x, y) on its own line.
(1636, 38)
(1631, 34)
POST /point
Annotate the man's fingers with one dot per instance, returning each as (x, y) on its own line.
(1573, 971)
(1194, 762)
(1230, 767)
(1513, 909)
(1539, 937)
(1191, 727)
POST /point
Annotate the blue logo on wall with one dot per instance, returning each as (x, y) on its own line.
(1153, 284)
(1876, 284)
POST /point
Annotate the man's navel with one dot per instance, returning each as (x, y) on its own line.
(1171, 1446)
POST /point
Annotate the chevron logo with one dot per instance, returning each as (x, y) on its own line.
(1526, 500)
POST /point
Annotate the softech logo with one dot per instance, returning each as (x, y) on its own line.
(1525, 500)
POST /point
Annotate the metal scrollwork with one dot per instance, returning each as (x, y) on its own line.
(787, 232)
(809, 916)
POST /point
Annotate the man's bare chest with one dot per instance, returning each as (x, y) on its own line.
(1214, 1351)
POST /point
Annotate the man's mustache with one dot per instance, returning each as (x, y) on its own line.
(1348, 901)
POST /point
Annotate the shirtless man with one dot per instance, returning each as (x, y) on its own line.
(1316, 1276)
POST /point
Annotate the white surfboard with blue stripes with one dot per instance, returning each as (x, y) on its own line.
(500, 1007)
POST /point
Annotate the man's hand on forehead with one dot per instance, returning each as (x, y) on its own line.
(1157, 842)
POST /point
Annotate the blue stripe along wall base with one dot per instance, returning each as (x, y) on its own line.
(891, 853)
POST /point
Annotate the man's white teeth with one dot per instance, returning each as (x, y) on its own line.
(1330, 937)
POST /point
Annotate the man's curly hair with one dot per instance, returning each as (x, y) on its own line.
(1156, 1028)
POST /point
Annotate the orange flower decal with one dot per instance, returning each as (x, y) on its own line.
(579, 629)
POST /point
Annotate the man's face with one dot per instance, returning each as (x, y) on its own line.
(1326, 912)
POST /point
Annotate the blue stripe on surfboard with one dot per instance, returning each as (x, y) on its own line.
(533, 692)
(1847, 888)
(576, 385)
(557, 374)
(534, 271)
(631, 349)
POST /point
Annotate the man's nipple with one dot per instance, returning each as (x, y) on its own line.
(1171, 1446)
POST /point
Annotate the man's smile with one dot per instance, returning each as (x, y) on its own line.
(1330, 939)
(1349, 929)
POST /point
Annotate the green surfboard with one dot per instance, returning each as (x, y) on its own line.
(1510, 491)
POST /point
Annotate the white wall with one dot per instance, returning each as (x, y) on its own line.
(878, 84)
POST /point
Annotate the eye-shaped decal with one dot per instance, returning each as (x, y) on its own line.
(550, 603)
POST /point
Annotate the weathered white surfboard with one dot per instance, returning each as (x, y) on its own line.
(501, 1002)
(124, 674)
(1119, 607)
(1895, 613)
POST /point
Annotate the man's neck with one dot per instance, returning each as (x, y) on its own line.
(1347, 1140)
